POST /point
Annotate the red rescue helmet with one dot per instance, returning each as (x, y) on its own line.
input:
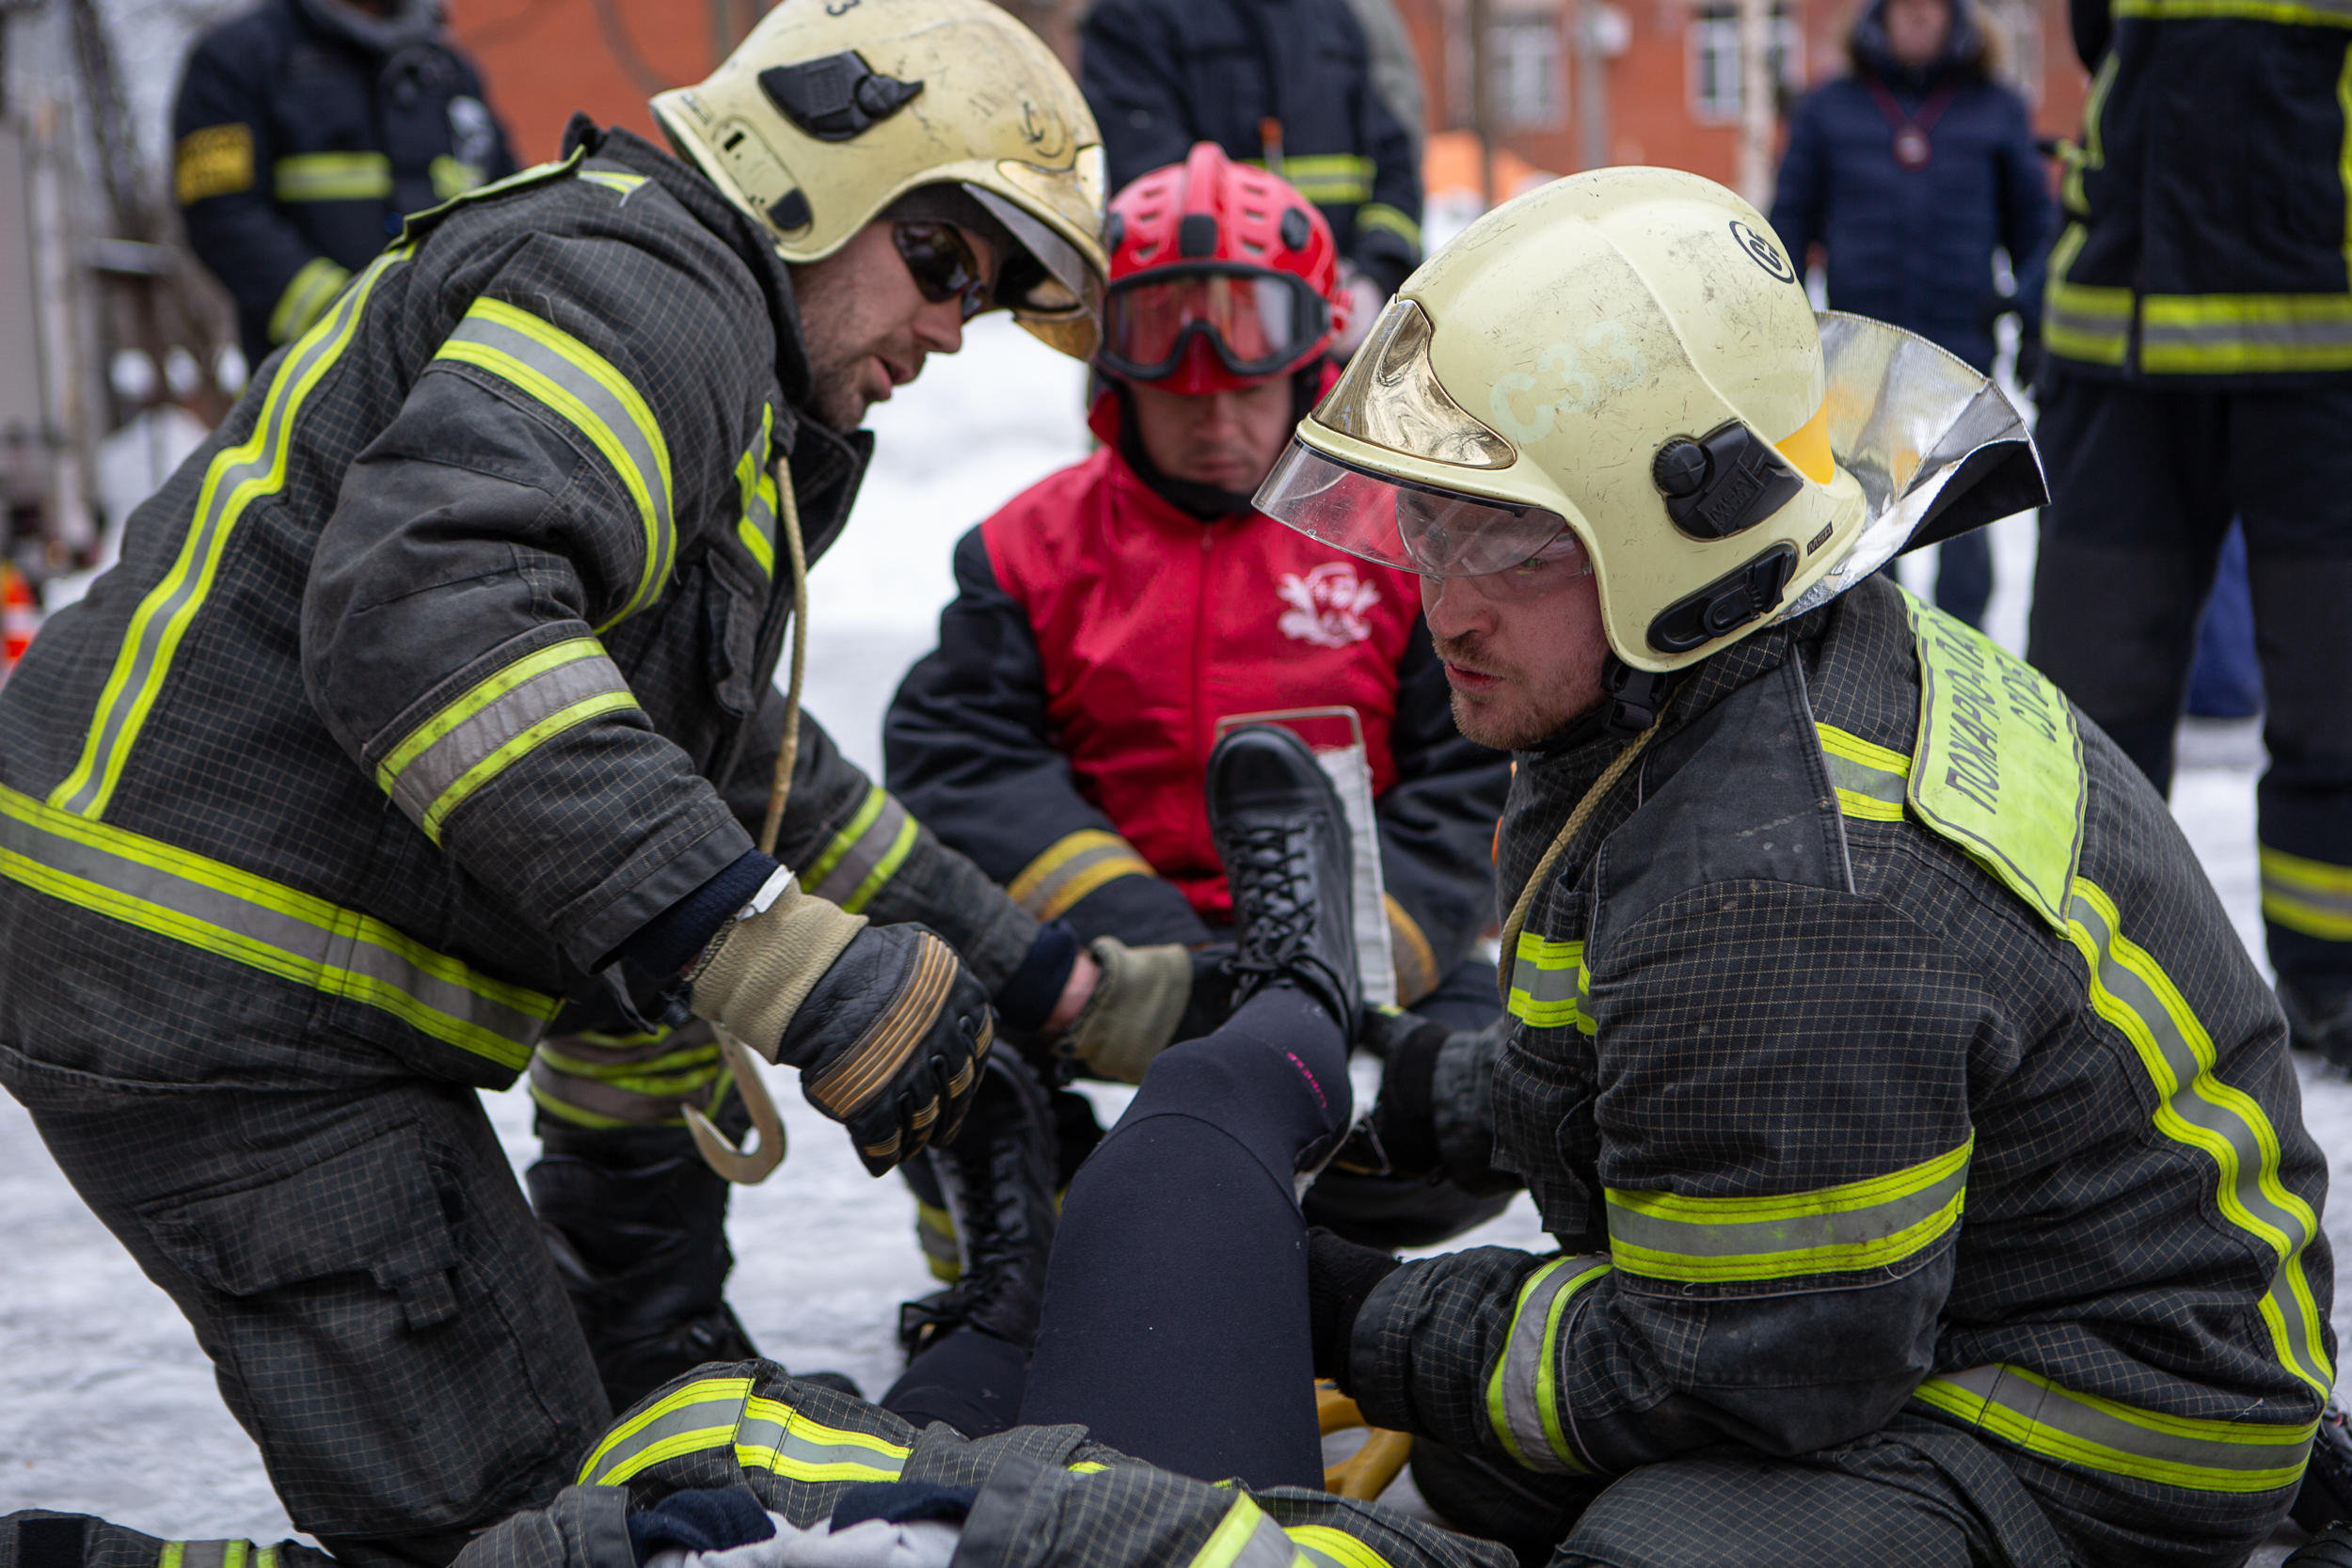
(1222, 276)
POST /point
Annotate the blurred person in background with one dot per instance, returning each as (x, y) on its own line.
(1299, 87)
(1909, 173)
(304, 130)
(1108, 617)
(2199, 325)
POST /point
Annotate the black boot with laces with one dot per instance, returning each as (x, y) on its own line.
(1284, 837)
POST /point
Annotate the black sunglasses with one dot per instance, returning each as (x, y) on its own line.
(940, 261)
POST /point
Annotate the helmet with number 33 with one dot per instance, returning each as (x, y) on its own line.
(1628, 357)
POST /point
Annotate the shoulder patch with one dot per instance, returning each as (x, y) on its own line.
(1998, 768)
(216, 161)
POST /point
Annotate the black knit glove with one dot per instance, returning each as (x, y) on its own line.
(1340, 1276)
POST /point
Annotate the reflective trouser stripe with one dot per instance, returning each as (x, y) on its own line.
(1870, 780)
(308, 292)
(2198, 1110)
(757, 480)
(1245, 1538)
(239, 476)
(498, 722)
(332, 177)
(1415, 960)
(452, 179)
(2303, 13)
(627, 1081)
(765, 1434)
(1872, 1223)
(267, 925)
(1073, 867)
(2307, 895)
(573, 381)
(1326, 1548)
(864, 856)
(1550, 983)
(1525, 1403)
(2081, 321)
(1379, 214)
(935, 1232)
(2032, 1412)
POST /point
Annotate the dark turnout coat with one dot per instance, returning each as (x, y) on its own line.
(1880, 1045)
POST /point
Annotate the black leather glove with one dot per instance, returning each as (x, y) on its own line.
(1340, 1276)
(1406, 1119)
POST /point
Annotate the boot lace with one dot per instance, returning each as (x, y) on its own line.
(1270, 903)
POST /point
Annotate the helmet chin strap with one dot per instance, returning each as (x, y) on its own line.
(1636, 697)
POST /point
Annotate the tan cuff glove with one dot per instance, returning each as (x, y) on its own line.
(1133, 1014)
(757, 972)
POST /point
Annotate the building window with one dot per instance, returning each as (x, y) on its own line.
(1523, 72)
(1715, 61)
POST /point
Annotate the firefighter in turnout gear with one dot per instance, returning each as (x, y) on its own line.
(1921, 1143)
(304, 130)
(2199, 370)
(427, 709)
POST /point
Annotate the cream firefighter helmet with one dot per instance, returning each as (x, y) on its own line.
(830, 110)
(1627, 357)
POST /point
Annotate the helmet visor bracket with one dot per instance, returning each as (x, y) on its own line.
(1417, 528)
(1257, 320)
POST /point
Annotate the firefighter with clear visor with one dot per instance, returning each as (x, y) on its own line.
(1920, 1143)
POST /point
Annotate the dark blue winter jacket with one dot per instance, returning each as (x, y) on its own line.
(1914, 246)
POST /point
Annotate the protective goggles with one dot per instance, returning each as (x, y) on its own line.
(1436, 534)
(1257, 323)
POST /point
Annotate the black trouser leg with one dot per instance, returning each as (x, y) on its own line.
(1176, 1323)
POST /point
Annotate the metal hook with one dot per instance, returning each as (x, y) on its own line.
(748, 1169)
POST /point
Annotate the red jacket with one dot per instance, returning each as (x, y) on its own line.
(1060, 734)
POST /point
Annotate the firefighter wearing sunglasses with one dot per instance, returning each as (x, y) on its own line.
(428, 720)
(1107, 618)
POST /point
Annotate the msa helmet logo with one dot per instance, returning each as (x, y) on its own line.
(1326, 606)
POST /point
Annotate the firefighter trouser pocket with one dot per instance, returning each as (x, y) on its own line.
(363, 1270)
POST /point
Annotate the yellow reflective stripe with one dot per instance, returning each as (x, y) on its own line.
(1245, 1538)
(2091, 322)
(308, 292)
(2318, 13)
(2197, 1110)
(1524, 1401)
(267, 925)
(1872, 781)
(572, 380)
(1550, 983)
(1071, 868)
(172, 1555)
(1328, 178)
(2092, 154)
(1379, 214)
(563, 1110)
(452, 179)
(758, 528)
(265, 1558)
(613, 179)
(2305, 896)
(2035, 1413)
(2226, 334)
(332, 177)
(494, 722)
(238, 477)
(864, 856)
(776, 1437)
(498, 762)
(703, 1414)
(1871, 1223)
(1326, 1544)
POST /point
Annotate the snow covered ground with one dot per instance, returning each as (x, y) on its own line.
(107, 1406)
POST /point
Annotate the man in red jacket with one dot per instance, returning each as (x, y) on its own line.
(1108, 617)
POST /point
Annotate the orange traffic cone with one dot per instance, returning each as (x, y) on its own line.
(20, 617)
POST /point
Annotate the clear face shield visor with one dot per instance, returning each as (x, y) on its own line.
(1435, 534)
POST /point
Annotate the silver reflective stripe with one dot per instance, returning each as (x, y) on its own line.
(2035, 1413)
(1524, 1391)
(496, 713)
(1873, 783)
(246, 918)
(1267, 1547)
(2225, 1118)
(252, 471)
(699, 1417)
(1547, 983)
(774, 1437)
